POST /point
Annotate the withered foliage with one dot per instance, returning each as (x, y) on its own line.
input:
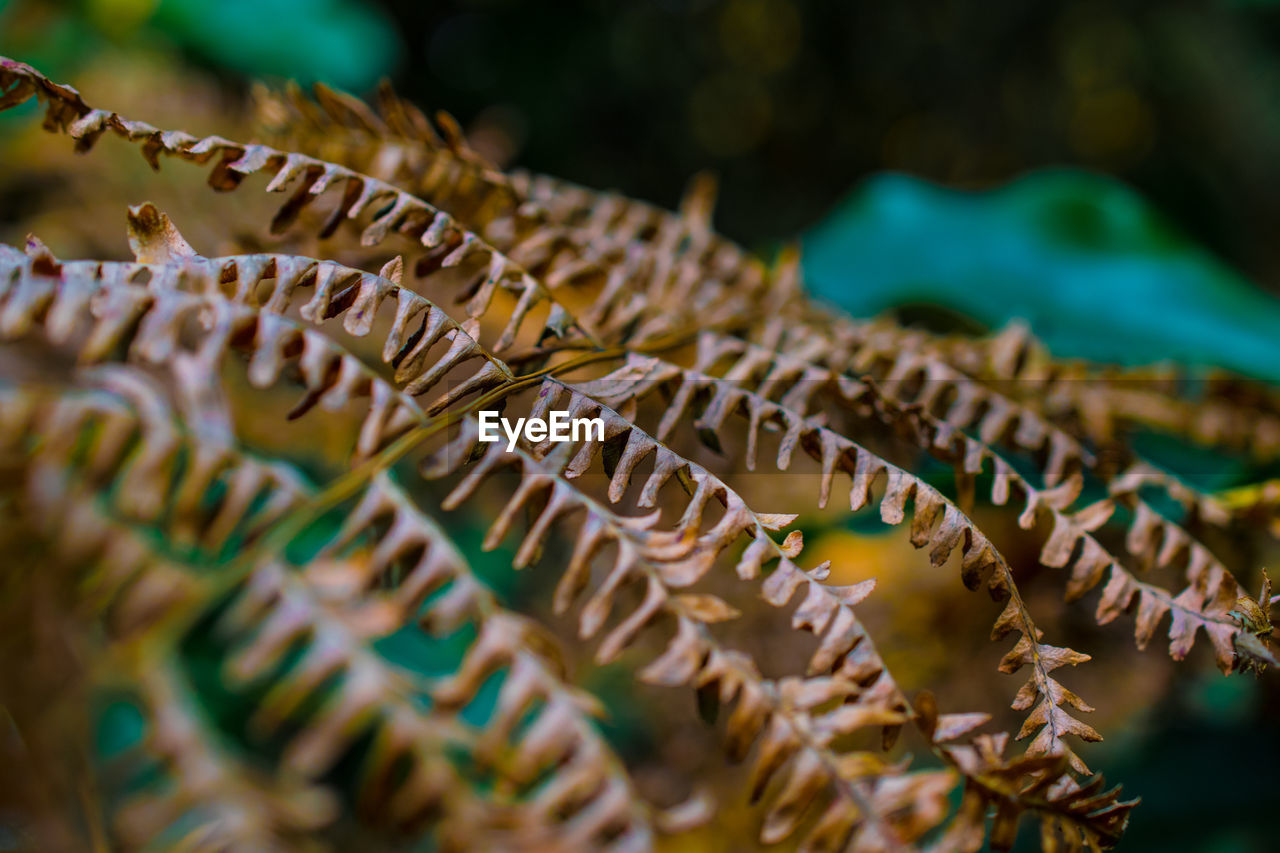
(144, 519)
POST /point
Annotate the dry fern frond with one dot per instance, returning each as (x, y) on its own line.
(793, 741)
(211, 574)
(819, 609)
(564, 231)
(671, 265)
(395, 211)
(391, 140)
(280, 607)
(1101, 403)
(217, 801)
(1151, 538)
(936, 522)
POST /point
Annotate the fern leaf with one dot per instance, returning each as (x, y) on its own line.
(393, 141)
(561, 232)
(793, 743)
(395, 210)
(1073, 818)
(279, 608)
(151, 321)
(1151, 538)
(1101, 403)
(188, 544)
(214, 800)
(683, 662)
(936, 522)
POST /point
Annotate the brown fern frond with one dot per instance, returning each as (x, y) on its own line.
(120, 431)
(561, 735)
(898, 362)
(936, 523)
(391, 140)
(127, 578)
(571, 232)
(1198, 506)
(588, 800)
(1072, 817)
(276, 610)
(1082, 818)
(845, 646)
(1079, 401)
(335, 288)
(675, 263)
(918, 378)
(1204, 603)
(680, 654)
(395, 211)
(1150, 537)
(212, 799)
(258, 617)
(1101, 403)
(389, 118)
(899, 359)
(795, 742)
(280, 608)
(789, 809)
(885, 352)
(150, 323)
(30, 303)
(822, 606)
(828, 651)
(562, 232)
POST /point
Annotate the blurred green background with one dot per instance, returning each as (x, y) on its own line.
(1109, 171)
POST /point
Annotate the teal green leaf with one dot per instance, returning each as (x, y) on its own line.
(1094, 268)
(347, 44)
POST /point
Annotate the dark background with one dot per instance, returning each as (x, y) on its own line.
(793, 102)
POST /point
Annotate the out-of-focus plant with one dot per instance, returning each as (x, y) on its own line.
(341, 42)
(234, 486)
(1093, 269)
